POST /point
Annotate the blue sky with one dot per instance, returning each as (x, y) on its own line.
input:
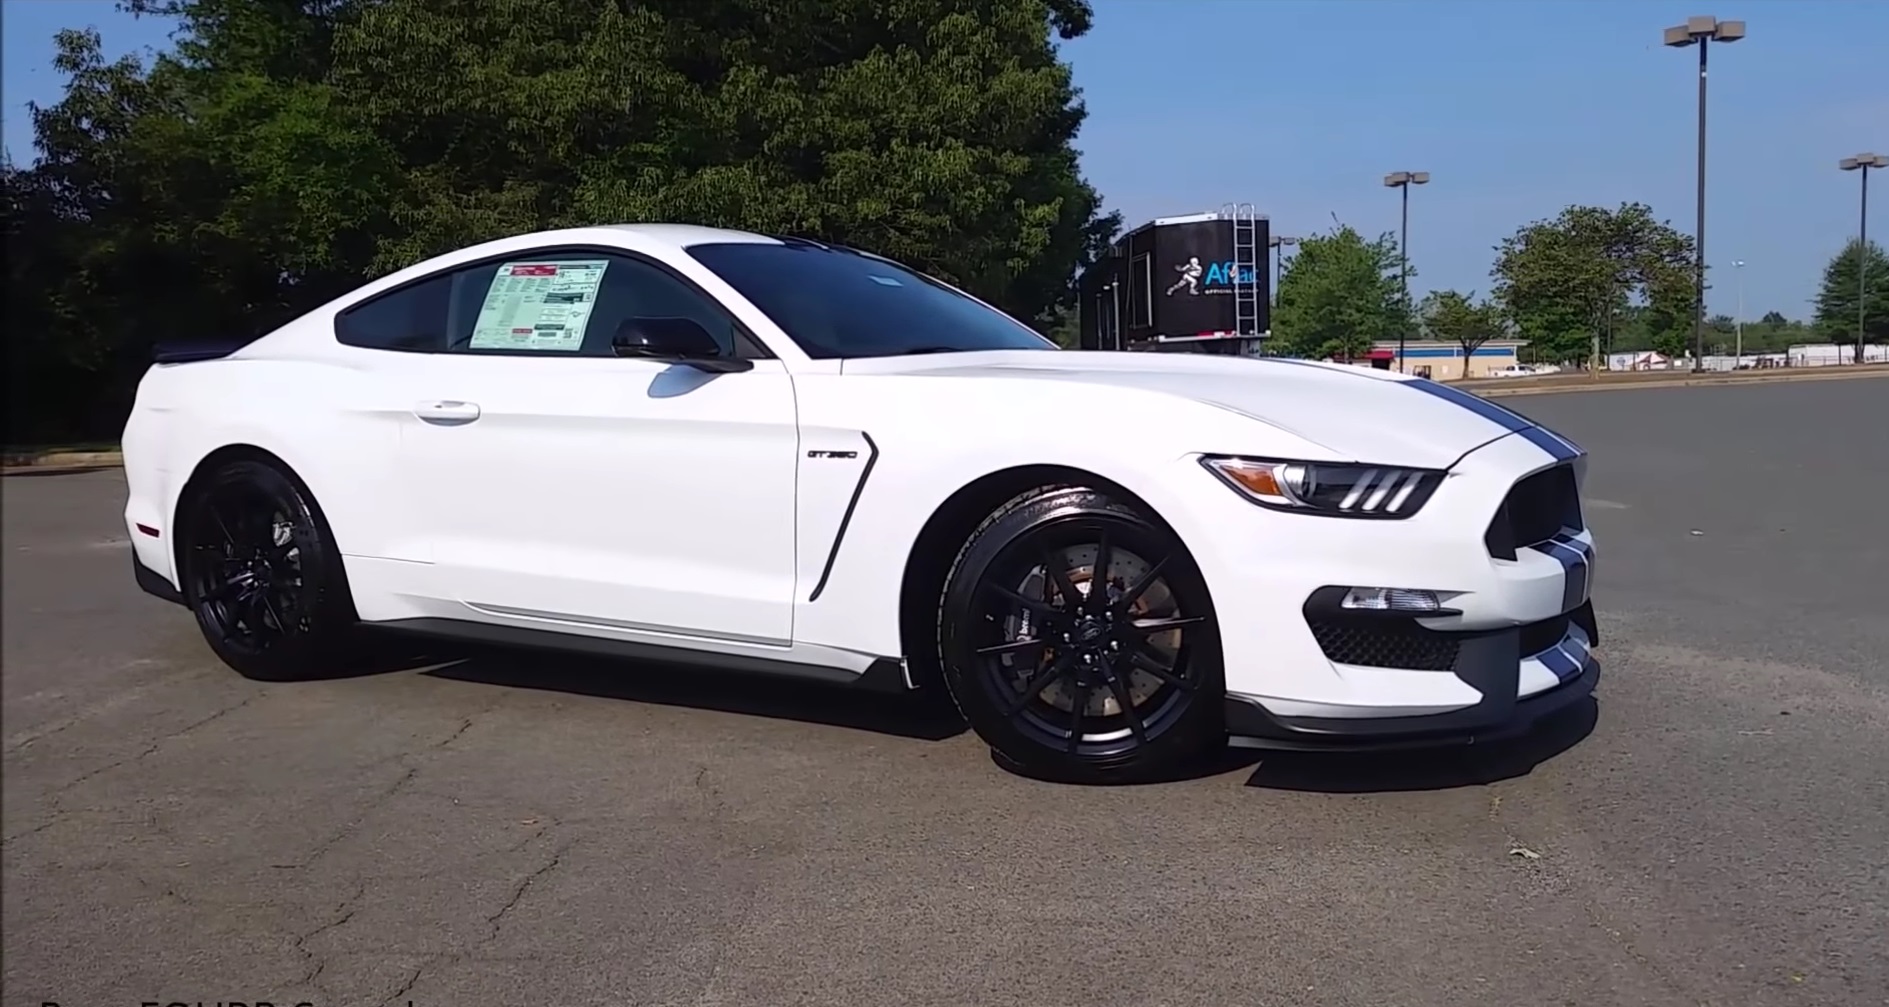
(1515, 108)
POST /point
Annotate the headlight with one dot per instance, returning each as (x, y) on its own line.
(1363, 491)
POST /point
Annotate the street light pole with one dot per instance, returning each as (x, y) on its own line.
(1702, 32)
(1738, 325)
(1862, 163)
(1279, 244)
(1404, 180)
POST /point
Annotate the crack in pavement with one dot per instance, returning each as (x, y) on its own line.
(163, 891)
(518, 893)
(54, 819)
(467, 722)
(407, 986)
(710, 792)
(354, 823)
(56, 812)
(159, 743)
(405, 778)
(550, 822)
(28, 738)
(317, 963)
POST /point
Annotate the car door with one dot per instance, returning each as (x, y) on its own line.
(562, 485)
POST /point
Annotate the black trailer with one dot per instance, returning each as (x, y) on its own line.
(1195, 284)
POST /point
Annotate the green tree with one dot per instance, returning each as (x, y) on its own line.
(936, 132)
(91, 265)
(1566, 283)
(1339, 295)
(289, 149)
(1639, 328)
(1459, 318)
(1846, 312)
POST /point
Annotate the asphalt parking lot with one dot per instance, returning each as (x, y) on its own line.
(528, 829)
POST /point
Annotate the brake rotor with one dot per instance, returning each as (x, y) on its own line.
(1124, 569)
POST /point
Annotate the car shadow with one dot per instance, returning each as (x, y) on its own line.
(915, 715)
(1414, 769)
(927, 716)
(1427, 769)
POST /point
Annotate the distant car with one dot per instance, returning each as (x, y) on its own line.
(787, 457)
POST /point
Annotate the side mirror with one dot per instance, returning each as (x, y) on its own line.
(679, 340)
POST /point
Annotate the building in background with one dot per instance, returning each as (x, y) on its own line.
(1444, 361)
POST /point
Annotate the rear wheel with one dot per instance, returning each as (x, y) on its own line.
(260, 572)
(1078, 640)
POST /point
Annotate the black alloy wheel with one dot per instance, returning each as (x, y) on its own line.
(260, 574)
(1079, 641)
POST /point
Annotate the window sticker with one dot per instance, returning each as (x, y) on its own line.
(538, 306)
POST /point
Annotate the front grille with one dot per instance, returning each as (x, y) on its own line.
(1536, 509)
(1385, 646)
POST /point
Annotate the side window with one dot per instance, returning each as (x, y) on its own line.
(570, 303)
(636, 289)
(411, 318)
(555, 303)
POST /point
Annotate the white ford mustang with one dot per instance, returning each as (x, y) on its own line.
(717, 447)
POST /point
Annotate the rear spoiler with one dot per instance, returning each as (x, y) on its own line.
(187, 353)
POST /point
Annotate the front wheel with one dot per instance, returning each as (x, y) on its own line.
(261, 573)
(1079, 642)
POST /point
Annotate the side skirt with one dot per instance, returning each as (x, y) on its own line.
(883, 675)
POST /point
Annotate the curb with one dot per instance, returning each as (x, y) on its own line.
(63, 461)
(1573, 387)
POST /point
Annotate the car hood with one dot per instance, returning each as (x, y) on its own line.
(1354, 412)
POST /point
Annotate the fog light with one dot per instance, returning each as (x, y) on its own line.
(1391, 599)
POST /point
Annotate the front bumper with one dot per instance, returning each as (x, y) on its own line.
(1504, 546)
(1494, 664)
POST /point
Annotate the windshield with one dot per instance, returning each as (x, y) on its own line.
(839, 303)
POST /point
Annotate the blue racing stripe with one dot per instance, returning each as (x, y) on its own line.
(1567, 552)
(1563, 438)
(1576, 560)
(1482, 407)
(1558, 447)
(1574, 588)
(1561, 450)
(1557, 660)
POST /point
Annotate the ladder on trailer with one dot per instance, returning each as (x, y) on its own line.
(1246, 267)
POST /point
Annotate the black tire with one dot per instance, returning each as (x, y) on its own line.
(1146, 666)
(261, 573)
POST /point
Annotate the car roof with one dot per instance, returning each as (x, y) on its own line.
(684, 235)
(639, 237)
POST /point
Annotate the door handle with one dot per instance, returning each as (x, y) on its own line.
(447, 412)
